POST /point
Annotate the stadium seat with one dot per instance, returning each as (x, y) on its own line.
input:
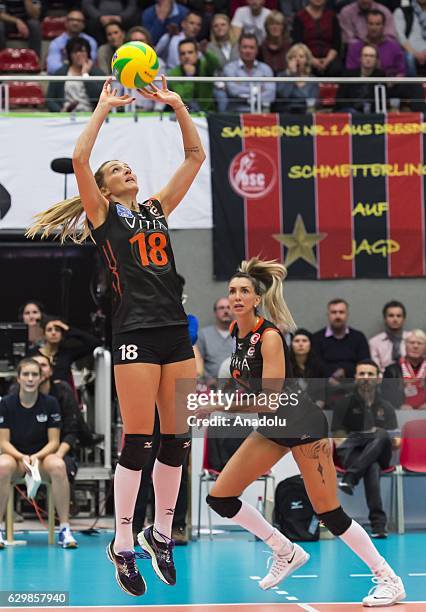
(52, 27)
(19, 60)
(50, 512)
(327, 94)
(25, 94)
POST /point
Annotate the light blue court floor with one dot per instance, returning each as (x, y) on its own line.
(212, 573)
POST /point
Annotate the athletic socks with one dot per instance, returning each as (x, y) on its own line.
(359, 541)
(252, 520)
(166, 480)
(126, 487)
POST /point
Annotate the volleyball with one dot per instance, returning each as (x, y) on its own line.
(135, 64)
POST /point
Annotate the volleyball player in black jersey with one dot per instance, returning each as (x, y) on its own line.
(151, 344)
(260, 363)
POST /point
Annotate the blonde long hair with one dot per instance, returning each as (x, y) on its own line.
(267, 278)
(66, 219)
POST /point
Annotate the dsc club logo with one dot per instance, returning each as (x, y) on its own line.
(252, 174)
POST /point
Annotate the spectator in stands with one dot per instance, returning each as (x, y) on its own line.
(353, 20)
(64, 345)
(101, 12)
(363, 423)
(388, 346)
(214, 341)
(168, 46)
(140, 33)
(31, 314)
(359, 97)
(391, 56)
(238, 94)
(75, 95)
(300, 96)
(317, 27)
(251, 19)
(410, 25)
(339, 346)
(307, 367)
(274, 47)
(158, 17)
(30, 424)
(23, 18)
(115, 36)
(198, 96)
(74, 25)
(222, 40)
(289, 8)
(404, 382)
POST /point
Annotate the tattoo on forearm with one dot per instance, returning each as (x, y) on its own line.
(192, 149)
(315, 451)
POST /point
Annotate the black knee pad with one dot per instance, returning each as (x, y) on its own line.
(173, 449)
(227, 507)
(136, 451)
(336, 521)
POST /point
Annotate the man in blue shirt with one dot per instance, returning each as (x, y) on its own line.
(158, 17)
(238, 94)
(74, 26)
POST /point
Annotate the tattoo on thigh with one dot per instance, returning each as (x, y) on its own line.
(126, 520)
(315, 451)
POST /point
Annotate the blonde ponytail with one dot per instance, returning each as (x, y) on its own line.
(269, 277)
(64, 218)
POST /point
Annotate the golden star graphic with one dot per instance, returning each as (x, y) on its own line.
(300, 244)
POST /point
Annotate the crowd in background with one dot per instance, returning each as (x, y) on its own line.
(358, 38)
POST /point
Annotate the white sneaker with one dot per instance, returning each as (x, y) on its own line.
(283, 565)
(66, 539)
(386, 592)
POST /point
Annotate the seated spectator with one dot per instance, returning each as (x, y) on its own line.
(115, 36)
(363, 422)
(31, 314)
(388, 346)
(75, 95)
(198, 96)
(289, 8)
(238, 94)
(251, 19)
(404, 382)
(214, 342)
(317, 27)
(353, 21)
(30, 424)
(158, 17)
(139, 33)
(63, 345)
(167, 46)
(101, 12)
(339, 346)
(276, 43)
(23, 18)
(222, 40)
(391, 56)
(359, 97)
(300, 96)
(74, 25)
(410, 26)
(307, 367)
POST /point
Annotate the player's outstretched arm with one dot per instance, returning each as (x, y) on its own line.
(181, 181)
(95, 204)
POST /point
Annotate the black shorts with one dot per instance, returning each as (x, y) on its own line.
(306, 423)
(159, 345)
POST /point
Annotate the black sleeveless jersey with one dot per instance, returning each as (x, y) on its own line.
(137, 251)
(247, 361)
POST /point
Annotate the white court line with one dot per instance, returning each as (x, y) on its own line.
(305, 576)
(282, 592)
(419, 574)
(307, 607)
(255, 577)
(292, 598)
(361, 575)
